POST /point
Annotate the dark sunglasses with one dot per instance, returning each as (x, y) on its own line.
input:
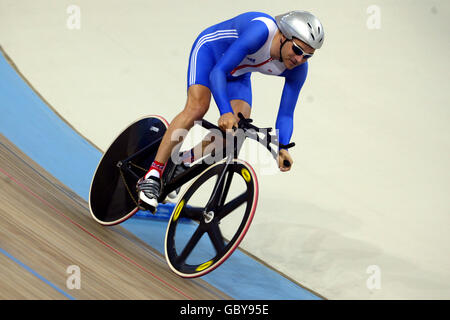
(299, 51)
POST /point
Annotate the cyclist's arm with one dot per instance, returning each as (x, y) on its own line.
(250, 41)
(285, 119)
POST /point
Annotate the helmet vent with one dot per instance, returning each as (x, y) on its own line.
(313, 36)
(309, 25)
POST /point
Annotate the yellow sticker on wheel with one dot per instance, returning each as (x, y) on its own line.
(178, 210)
(205, 265)
(246, 175)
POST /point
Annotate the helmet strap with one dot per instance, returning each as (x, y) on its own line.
(281, 47)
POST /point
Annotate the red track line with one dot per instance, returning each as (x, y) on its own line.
(93, 236)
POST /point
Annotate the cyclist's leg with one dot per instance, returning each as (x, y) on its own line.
(197, 105)
(198, 101)
(240, 93)
(201, 62)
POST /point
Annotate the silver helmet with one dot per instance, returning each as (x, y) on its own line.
(301, 25)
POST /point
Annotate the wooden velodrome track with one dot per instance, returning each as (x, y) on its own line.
(45, 228)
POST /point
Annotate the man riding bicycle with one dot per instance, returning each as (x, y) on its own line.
(221, 62)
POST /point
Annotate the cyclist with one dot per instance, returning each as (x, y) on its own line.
(221, 61)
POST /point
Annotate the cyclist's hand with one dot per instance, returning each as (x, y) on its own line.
(282, 157)
(227, 121)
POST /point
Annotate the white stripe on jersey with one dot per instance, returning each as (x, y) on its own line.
(219, 34)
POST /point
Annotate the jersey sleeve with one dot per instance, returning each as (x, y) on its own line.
(285, 119)
(250, 41)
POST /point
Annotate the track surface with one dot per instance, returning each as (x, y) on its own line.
(45, 228)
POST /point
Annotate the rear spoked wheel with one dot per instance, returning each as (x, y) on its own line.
(211, 218)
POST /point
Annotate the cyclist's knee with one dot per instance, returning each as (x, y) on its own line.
(242, 107)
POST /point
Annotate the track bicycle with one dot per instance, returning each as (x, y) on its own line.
(211, 216)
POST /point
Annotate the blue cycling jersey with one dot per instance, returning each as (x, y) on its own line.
(224, 56)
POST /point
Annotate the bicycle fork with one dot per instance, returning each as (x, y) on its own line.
(221, 186)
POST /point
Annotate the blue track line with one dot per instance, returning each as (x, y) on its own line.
(37, 275)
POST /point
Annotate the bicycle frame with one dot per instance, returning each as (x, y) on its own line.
(170, 183)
